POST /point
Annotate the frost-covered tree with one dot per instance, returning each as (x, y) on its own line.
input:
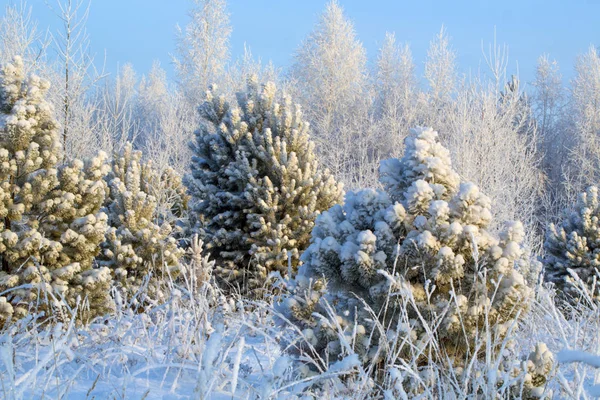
(165, 120)
(246, 65)
(114, 116)
(202, 48)
(422, 245)
(585, 102)
(488, 127)
(573, 246)
(329, 74)
(139, 245)
(330, 64)
(555, 141)
(494, 145)
(51, 219)
(256, 184)
(396, 87)
(548, 103)
(440, 72)
(19, 36)
(152, 98)
(73, 76)
(68, 67)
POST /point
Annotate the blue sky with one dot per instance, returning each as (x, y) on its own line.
(141, 31)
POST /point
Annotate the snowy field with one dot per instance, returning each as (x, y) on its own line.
(185, 350)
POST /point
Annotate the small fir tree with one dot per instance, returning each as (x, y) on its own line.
(573, 248)
(139, 245)
(50, 215)
(422, 246)
(256, 184)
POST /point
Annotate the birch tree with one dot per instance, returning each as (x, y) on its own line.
(548, 102)
(114, 123)
(396, 87)
(441, 75)
(19, 36)
(490, 132)
(331, 78)
(585, 103)
(202, 48)
(490, 148)
(74, 75)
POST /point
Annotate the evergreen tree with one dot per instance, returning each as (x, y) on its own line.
(139, 242)
(50, 218)
(422, 245)
(574, 244)
(256, 184)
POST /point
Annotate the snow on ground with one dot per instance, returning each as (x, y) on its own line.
(185, 350)
(174, 351)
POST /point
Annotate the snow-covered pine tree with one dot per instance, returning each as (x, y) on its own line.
(574, 244)
(257, 184)
(50, 216)
(422, 246)
(139, 244)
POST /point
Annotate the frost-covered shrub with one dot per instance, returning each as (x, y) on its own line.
(506, 377)
(256, 184)
(139, 245)
(50, 214)
(200, 266)
(574, 245)
(537, 368)
(413, 265)
(170, 193)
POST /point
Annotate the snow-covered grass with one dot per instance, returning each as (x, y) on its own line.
(180, 349)
(201, 345)
(567, 329)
